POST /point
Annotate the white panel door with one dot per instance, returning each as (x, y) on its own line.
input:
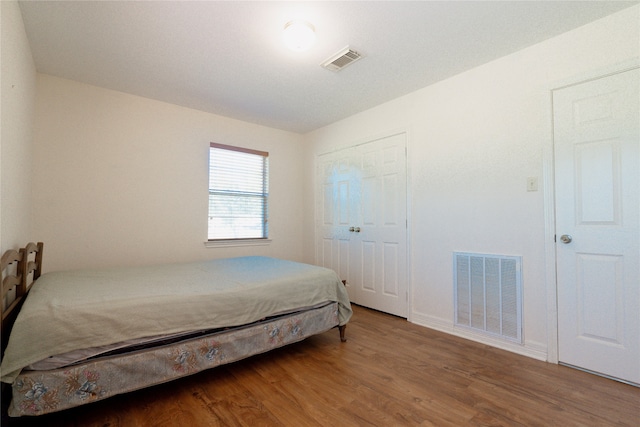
(381, 216)
(597, 163)
(334, 212)
(362, 215)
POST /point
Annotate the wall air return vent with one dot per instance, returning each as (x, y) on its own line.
(488, 294)
(341, 59)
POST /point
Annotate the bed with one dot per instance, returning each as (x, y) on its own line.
(86, 335)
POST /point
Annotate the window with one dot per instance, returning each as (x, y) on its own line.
(238, 193)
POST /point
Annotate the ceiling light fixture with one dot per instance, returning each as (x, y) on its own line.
(299, 35)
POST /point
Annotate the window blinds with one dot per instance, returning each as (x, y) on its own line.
(238, 193)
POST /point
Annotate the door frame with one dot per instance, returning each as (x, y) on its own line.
(548, 175)
(396, 131)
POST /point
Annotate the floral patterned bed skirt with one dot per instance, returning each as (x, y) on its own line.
(41, 392)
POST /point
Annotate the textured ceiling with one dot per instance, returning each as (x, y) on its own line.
(227, 57)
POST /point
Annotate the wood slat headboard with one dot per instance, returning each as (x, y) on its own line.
(32, 266)
(16, 267)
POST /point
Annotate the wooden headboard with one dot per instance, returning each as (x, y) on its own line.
(32, 265)
(19, 268)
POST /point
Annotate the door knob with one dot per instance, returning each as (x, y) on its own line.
(566, 239)
(357, 229)
(351, 229)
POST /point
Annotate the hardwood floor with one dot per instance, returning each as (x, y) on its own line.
(389, 373)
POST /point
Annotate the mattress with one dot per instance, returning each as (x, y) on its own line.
(81, 355)
(41, 392)
(69, 311)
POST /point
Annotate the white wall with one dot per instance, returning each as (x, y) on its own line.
(123, 180)
(18, 86)
(474, 139)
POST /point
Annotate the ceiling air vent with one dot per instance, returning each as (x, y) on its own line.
(341, 59)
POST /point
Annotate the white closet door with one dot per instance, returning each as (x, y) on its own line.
(362, 214)
(597, 160)
(334, 212)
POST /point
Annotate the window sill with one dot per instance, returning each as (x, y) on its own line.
(234, 242)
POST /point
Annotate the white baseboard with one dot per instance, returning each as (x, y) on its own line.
(533, 350)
